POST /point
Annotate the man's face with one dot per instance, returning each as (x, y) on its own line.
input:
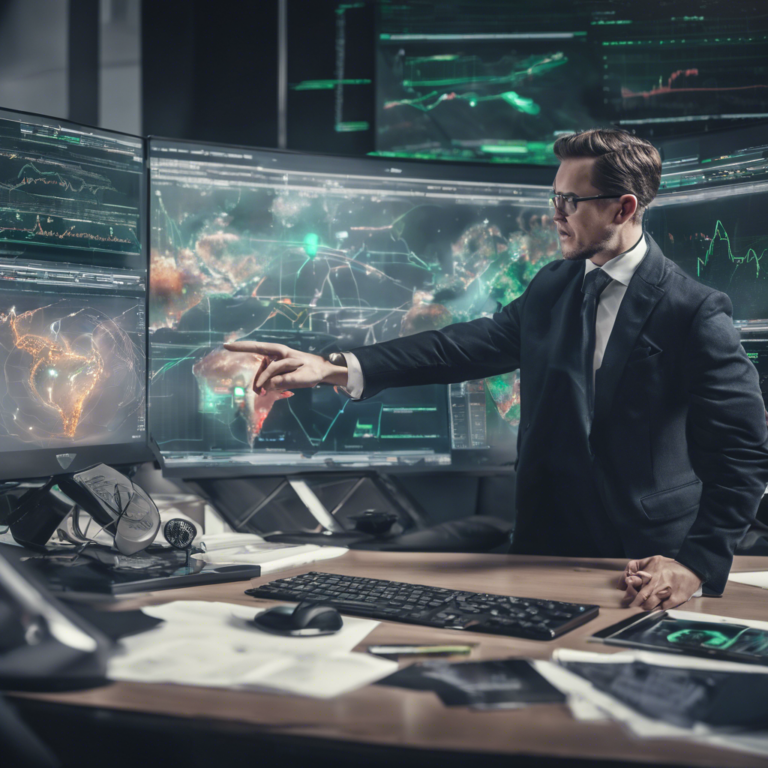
(589, 229)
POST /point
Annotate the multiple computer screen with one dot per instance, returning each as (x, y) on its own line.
(499, 81)
(319, 253)
(73, 288)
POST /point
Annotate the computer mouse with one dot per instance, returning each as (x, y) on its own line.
(307, 619)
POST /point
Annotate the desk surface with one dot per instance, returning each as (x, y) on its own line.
(391, 716)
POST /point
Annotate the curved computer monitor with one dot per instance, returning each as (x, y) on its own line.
(709, 219)
(709, 216)
(73, 275)
(327, 254)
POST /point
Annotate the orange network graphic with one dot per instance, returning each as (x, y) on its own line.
(58, 376)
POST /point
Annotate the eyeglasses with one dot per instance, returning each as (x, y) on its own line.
(566, 204)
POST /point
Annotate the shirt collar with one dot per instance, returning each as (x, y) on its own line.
(622, 267)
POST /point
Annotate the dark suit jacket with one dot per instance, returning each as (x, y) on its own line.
(678, 445)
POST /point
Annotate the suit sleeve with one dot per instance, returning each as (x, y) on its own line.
(727, 442)
(459, 352)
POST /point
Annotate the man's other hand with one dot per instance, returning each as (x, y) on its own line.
(658, 582)
(284, 368)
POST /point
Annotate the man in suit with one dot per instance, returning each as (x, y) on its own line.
(642, 431)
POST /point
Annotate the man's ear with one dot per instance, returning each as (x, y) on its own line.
(628, 209)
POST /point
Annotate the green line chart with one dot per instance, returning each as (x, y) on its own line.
(721, 237)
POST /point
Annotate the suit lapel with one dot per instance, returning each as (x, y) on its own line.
(643, 293)
(564, 351)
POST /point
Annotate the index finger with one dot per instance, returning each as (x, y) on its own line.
(256, 347)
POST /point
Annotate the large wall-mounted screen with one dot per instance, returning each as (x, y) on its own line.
(500, 81)
(326, 254)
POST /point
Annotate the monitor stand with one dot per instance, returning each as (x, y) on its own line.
(240, 500)
(37, 513)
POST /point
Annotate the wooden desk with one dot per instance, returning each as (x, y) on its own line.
(390, 717)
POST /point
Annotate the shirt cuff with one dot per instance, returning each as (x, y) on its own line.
(355, 383)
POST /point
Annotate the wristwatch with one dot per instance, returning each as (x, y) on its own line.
(336, 358)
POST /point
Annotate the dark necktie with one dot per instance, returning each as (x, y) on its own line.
(594, 284)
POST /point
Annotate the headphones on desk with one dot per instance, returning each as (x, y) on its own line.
(123, 509)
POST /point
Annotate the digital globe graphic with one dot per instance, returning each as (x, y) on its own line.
(69, 373)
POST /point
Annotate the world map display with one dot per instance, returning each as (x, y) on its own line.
(322, 264)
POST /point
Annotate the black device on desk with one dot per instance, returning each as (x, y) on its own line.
(432, 606)
(43, 644)
(307, 619)
(101, 570)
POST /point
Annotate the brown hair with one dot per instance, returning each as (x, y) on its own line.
(625, 164)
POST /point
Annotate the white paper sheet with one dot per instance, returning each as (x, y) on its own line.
(270, 556)
(211, 542)
(660, 659)
(323, 677)
(216, 644)
(754, 579)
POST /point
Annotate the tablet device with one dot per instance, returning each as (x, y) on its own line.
(665, 631)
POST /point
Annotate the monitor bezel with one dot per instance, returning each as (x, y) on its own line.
(477, 462)
(17, 465)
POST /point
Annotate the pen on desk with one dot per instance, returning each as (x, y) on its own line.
(420, 650)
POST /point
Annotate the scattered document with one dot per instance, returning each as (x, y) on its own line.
(587, 703)
(754, 579)
(217, 645)
(210, 542)
(323, 677)
(271, 556)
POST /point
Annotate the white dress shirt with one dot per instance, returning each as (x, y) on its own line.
(620, 269)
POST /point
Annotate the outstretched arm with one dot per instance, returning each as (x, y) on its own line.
(459, 352)
(463, 351)
(285, 368)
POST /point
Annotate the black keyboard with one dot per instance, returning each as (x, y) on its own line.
(432, 606)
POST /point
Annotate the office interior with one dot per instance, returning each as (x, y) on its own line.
(327, 175)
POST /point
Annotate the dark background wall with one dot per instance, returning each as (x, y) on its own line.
(208, 70)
